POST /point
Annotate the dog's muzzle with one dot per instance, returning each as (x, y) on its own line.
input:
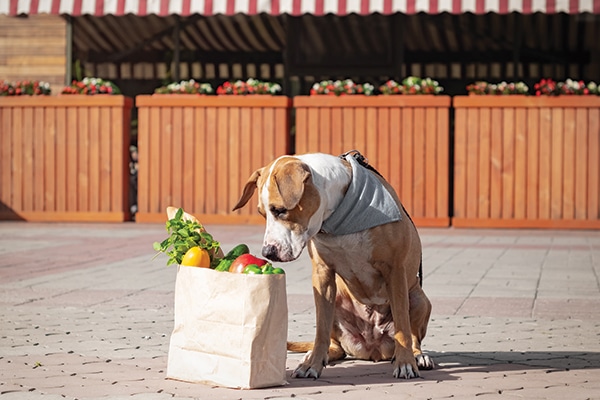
(271, 252)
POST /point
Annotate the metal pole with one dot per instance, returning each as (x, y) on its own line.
(177, 50)
(69, 50)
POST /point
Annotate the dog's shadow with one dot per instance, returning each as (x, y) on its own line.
(451, 366)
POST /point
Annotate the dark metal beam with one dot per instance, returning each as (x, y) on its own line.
(213, 57)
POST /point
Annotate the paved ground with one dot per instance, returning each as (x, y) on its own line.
(86, 313)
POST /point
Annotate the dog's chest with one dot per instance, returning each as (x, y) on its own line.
(350, 257)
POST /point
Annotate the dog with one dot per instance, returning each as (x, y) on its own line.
(365, 253)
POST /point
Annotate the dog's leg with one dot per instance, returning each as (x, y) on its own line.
(405, 365)
(324, 288)
(420, 310)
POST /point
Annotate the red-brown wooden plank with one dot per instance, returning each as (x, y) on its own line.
(177, 167)
(302, 129)
(282, 118)
(94, 159)
(143, 145)
(6, 158)
(472, 163)
(73, 159)
(38, 159)
(418, 163)
(190, 148)
(581, 163)
(533, 165)
(224, 114)
(383, 142)
(335, 131)
(544, 160)
(246, 167)
(442, 159)
(360, 130)
(394, 176)
(236, 153)
(496, 160)
(199, 160)
(508, 159)
(371, 126)
(430, 136)
(324, 140)
(117, 159)
(166, 151)
(349, 126)
(83, 146)
(212, 133)
(268, 129)
(556, 169)
(61, 159)
(568, 191)
(407, 156)
(520, 163)
(27, 154)
(594, 164)
(313, 133)
(50, 150)
(485, 143)
(460, 162)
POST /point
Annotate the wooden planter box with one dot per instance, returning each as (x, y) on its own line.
(527, 161)
(64, 158)
(197, 152)
(406, 138)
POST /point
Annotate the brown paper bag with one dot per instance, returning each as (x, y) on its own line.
(230, 329)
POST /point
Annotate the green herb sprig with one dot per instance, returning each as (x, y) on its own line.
(183, 235)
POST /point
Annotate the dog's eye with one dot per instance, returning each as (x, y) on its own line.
(278, 212)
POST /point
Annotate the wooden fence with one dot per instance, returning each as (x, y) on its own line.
(527, 161)
(197, 152)
(64, 158)
(406, 138)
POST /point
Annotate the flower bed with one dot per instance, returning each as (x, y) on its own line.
(527, 161)
(502, 88)
(185, 87)
(249, 87)
(64, 158)
(196, 152)
(24, 88)
(91, 86)
(549, 87)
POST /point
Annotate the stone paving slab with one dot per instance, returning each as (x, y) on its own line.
(86, 313)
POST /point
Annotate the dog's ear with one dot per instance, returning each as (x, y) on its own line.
(290, 183)
(248, 189)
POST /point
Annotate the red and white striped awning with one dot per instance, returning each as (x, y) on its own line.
(293, 7)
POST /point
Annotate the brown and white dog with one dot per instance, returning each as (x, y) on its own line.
(368, 297)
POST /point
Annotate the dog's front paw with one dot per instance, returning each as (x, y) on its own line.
(310, 367)
(405, 366)
(424, 362)
(406, 371)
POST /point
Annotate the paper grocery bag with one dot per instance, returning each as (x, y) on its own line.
(230, 329)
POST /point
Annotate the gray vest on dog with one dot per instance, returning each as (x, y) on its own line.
(367, 204)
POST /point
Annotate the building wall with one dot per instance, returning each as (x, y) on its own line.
(33, 47)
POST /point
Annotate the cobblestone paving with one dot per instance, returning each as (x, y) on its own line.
(86, 313)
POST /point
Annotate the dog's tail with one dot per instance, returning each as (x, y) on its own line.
(300, 347)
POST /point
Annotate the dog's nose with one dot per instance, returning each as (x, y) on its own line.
(269, 251)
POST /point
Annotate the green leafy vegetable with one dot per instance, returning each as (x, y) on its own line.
(184, 234)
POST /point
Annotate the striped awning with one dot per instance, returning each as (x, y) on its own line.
(293, 7)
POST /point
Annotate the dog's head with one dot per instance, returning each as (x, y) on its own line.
(289, 201)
